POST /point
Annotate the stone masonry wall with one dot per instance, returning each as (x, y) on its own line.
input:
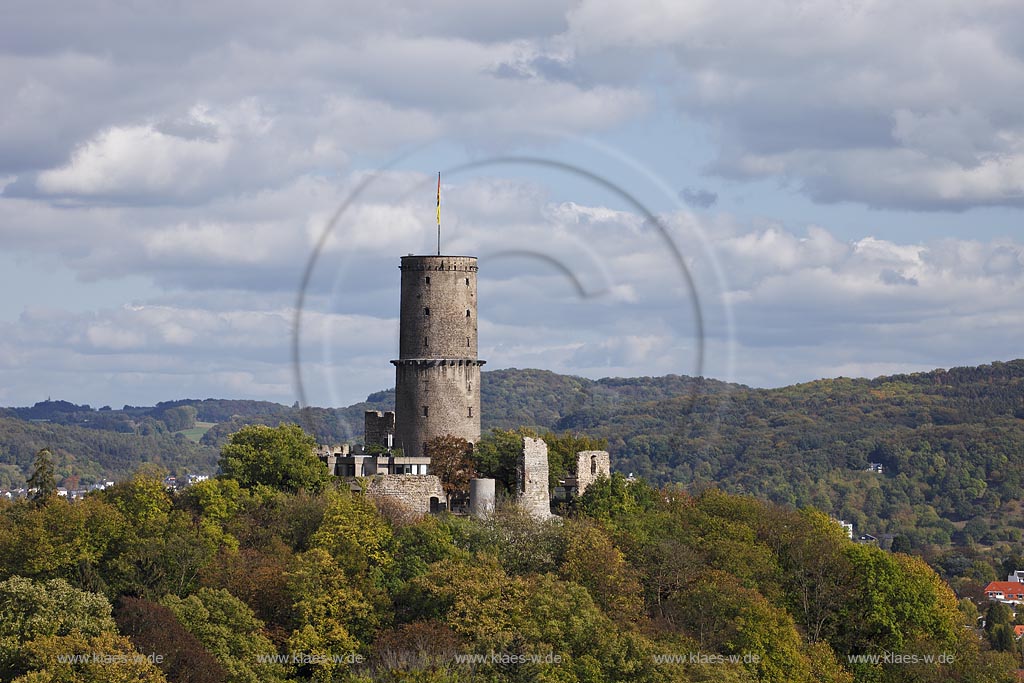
(437, 373)
(532, 478)
(377, 426)
(590, 465)
(411, 490)
(438, 307)
(436, 398)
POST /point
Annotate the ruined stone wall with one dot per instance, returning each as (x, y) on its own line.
(590, 465)
(532, 478)
(377, 426)
(411, 490)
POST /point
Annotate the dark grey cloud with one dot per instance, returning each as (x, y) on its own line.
(698, 198)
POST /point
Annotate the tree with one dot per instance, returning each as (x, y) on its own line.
(280, 457)
(726, 617)
(143, 500)
(354, 534)
(180, 418)
(607, 499)
(562, 450)
(32, 610)
(901, 544)
(153, 628)
(42, 483)
(231, 632)
(593, 561)
(73, 658)
(999, 628)
(332, 615)
(497, 454)
(451, 461)
(1001, 638)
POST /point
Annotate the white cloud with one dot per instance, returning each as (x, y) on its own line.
(204, 150)
(837, 99)
(833, 99)
(806, 304)
(137, 160)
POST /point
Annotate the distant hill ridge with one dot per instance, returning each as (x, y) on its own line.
(950, 442)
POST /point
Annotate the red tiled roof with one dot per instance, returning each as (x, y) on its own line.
(1005, 587)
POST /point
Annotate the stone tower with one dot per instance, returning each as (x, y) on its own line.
(437, 374)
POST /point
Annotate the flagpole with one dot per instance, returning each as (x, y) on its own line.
(438, 213)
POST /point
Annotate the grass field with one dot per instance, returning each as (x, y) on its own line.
(197, 432)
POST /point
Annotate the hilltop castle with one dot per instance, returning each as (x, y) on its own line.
(437, 393)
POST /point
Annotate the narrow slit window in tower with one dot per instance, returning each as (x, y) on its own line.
(426, 411)
(427, 279)
(426, 342)
(470, 413)
(426, 311)
(467, 312)
(467, 342)
(467, 282)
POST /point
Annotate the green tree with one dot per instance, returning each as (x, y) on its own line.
(280, 457)
(52, 659)
(143, 499)
(1002, 639)
(901, 544)
(451, 461)
(154, 628)
(726, 617)
(355, 534)
(230, 632)
(34, 609)
(179, 418)
(607, 499)
(497, 455)
(562, 450)
(999, 627)
(593, 561)
(333, 616)
(42, 484)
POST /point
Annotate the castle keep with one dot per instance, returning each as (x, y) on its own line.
(437, 374)
(437, 393)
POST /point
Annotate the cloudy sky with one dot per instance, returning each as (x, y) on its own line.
(767, 192)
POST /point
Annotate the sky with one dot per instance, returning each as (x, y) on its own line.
(763, 192)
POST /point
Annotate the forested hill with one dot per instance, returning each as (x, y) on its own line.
(950, 442)
(951, 446)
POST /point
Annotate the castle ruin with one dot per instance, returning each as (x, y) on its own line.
(437, 393)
